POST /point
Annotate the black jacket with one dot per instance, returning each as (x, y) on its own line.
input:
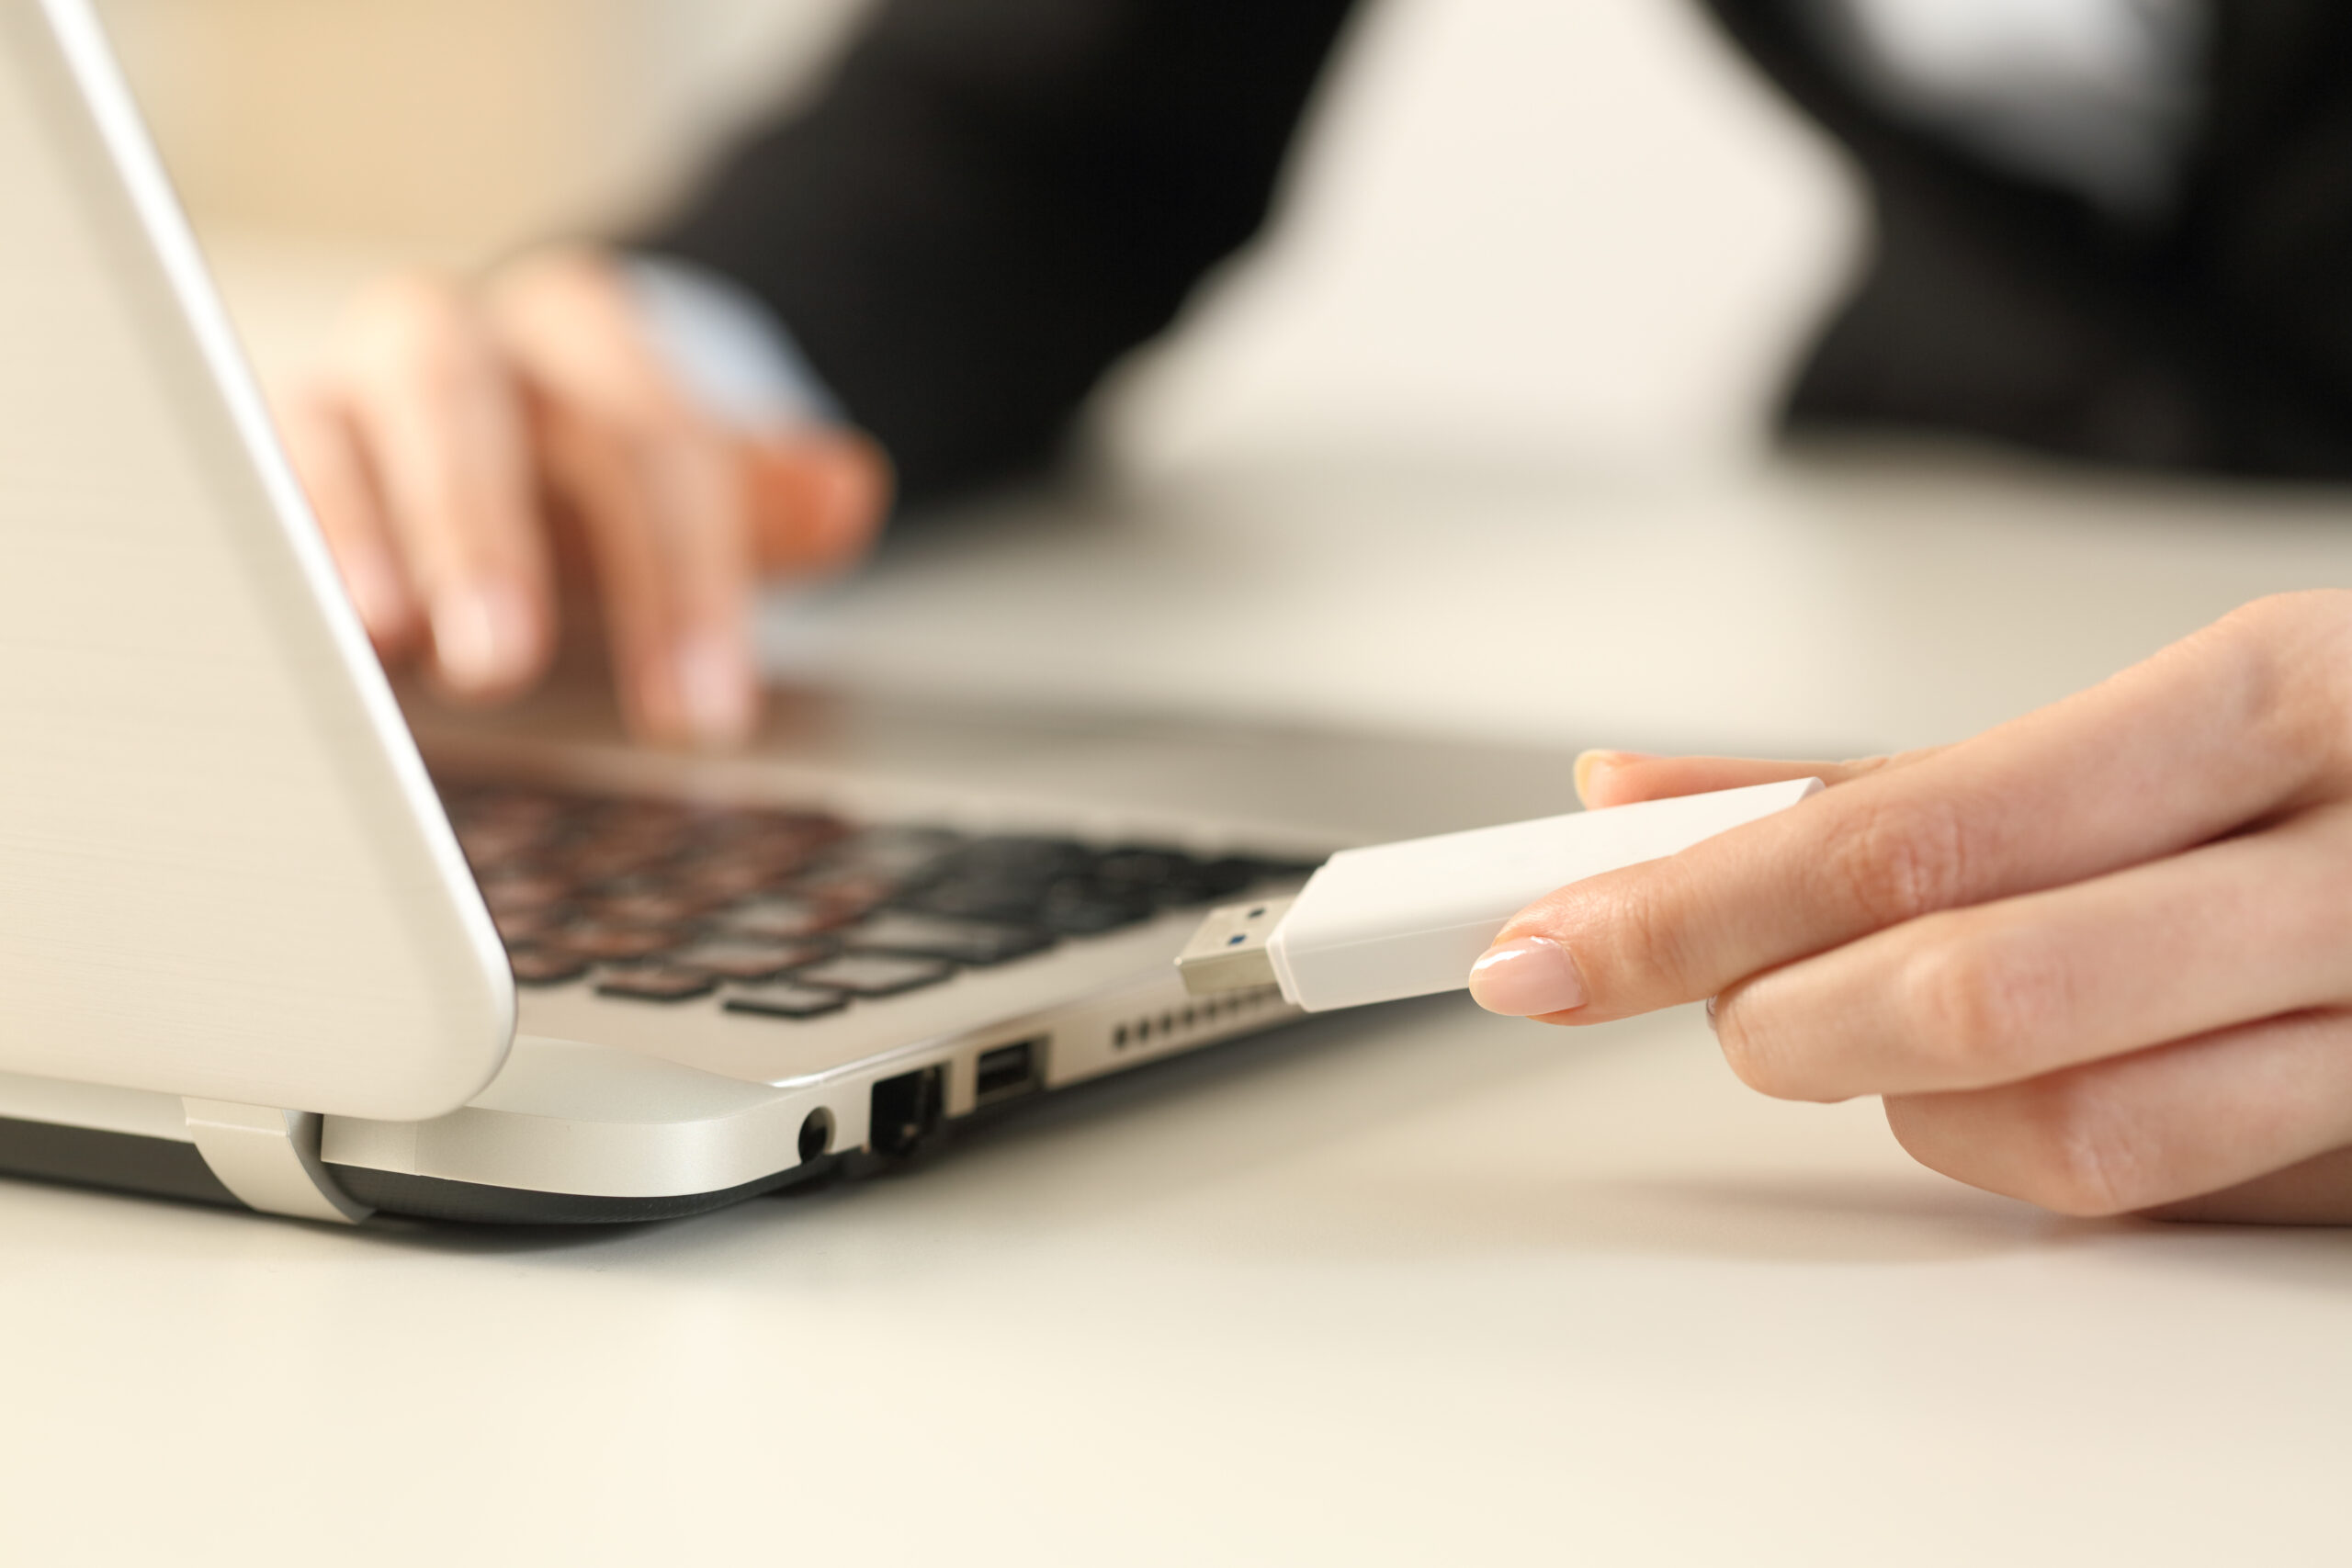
(997, 198)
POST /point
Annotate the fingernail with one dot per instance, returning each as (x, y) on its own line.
(1590, 762)
(715, 694)
(1527, 978)
(375, 590)
(481, 636)
(1711, 1015)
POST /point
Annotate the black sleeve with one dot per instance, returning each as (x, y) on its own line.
(995, 199)
(2219, 339)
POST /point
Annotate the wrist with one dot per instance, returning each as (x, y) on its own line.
(731, 353)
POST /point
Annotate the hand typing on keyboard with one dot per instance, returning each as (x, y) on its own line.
(471, 452)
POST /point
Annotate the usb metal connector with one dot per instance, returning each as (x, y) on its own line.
(1228, 952)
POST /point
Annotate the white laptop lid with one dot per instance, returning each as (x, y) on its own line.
(222, 871)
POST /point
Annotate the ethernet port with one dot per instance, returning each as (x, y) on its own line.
(907, 1111)
(1009, 1071)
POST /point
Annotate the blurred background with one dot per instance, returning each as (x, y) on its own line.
(1475, 441)
(1569, 179)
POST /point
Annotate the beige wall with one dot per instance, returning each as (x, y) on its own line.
(450, 125)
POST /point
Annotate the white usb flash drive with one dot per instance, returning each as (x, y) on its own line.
(1408, 920)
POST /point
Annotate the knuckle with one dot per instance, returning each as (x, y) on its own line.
(2287, 655)
(628, 450)
(2060, 1143)
(419, 331)
(2319, 610)
(1976, 1009)
(1900, 859)
(2081, 1156)
(1757, 1052)
(1655, 940)
(656, 478)
(561, 274)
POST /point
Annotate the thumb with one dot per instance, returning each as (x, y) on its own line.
(817, 498)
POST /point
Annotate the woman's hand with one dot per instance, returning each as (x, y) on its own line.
(2100, 957)
(466, 442)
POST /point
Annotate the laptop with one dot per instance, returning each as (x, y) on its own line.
(268, 939)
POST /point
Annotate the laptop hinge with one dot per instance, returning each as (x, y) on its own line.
(270, 1160)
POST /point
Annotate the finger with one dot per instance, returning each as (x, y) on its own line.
(1624, 778)
(2196, 1117)
(2211, 733)
(659, 490)
(2317, 1191)
(661, 515)
(2247, 927)
(326, 456)
(444, 424)
(817, 499)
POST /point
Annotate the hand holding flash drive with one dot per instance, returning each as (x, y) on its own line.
(1409, 919)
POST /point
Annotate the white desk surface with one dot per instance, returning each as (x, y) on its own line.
(1415, 1286)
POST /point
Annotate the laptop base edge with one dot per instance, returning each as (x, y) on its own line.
(468, 1202)
(111, 1162)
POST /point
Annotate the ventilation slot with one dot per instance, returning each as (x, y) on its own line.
(1203, 1015)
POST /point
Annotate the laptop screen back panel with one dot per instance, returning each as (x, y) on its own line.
(222, 871)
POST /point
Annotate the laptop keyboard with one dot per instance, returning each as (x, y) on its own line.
(795, 914)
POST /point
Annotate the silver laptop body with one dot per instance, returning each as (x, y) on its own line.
(245, 953)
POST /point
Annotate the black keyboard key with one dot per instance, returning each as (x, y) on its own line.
(720, 879)
(973, 898)
(607, 860)
(749, 825)
(539, 967)
(769, 856)
(613, 941)
(977, 942)
(874, 975)
(782, 917)
(520, 892)
(645, 907)
(654, 983)
(848, 891)
(892, 854)
(491, 845)
(784, 999)
(528, 928)
(636, 814)
(1022, 859)
(526, 811)
(739, 958)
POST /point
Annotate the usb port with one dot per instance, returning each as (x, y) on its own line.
(1006, 1071)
